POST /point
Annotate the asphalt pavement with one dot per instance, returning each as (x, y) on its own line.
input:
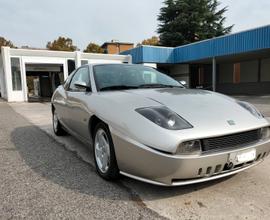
(41, 179)
(44, 176)
(261, 102)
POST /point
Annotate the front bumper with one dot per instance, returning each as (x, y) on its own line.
(146, 164)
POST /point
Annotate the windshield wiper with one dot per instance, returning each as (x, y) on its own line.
(118, 87)
(151, 85)
(157, 85)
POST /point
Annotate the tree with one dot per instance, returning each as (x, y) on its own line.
(6, 43)
(187, 21)
(153, 41)
(93, 48)
(62, 44)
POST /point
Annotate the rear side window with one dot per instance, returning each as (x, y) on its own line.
(82, 75)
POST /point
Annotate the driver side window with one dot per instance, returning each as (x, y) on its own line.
(82, 75)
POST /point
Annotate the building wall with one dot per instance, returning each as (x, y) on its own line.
(180, 72)
(246, 77)
(124, 47)
(265, 70)
(253, 79)
(225, 73)
(245, 88)
(2, 78)
(201, 76)
(249, 71)
(112, 49)
(117, 48)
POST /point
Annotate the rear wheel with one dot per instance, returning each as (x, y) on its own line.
(104, 155)
(57, 127)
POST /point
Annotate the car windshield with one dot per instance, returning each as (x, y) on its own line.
(122, 77)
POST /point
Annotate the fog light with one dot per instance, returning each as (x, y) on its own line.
(189, 147)
(265, 133)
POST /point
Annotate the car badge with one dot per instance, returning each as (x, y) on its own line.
(231, 122)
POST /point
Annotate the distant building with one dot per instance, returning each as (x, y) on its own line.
(233, 64)
(33, 75)
(116, 47)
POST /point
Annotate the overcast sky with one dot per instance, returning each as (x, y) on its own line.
(35, 22)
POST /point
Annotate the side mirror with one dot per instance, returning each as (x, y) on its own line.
(82, 86)
(183, 82)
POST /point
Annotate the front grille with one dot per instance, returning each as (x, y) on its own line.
(230, 141)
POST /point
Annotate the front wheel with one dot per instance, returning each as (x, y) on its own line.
(104, 154)
(57, 127)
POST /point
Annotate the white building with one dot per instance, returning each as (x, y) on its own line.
(27, 75)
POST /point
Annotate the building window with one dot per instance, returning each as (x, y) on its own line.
(201, 76)
(16, 74)
(265, 70)
(249, 71)
(71, 66)
(84, 62)
(226, 72)
(236, 72)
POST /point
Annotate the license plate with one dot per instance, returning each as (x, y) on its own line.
(243, 156)
(246, 156)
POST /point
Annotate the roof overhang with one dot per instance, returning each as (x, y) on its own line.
(250, 41)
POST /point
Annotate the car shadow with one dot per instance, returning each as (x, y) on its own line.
(55, 163)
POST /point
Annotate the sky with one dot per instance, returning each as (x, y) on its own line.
(35, 22)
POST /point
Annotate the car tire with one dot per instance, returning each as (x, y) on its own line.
(104, 154)
(57, 127)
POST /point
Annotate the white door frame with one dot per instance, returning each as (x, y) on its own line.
(40, 60)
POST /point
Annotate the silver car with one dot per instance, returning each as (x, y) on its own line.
(145, 125)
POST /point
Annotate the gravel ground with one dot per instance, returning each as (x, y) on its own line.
(41, 179)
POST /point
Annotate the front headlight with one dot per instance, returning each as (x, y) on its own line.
(189, 148)
(265, 133)
(252, 109)
(164, 117)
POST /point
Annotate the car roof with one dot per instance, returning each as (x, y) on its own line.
(106, 64)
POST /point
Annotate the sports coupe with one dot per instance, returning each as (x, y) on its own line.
(143, 124)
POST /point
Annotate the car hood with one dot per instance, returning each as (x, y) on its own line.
(209, 113)
(203, 109)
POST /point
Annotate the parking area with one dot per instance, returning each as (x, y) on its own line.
(64, 166)
(261, 102)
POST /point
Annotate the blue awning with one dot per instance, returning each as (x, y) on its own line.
(237, 43)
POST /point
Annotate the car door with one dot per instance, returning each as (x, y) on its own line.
(77, 107)
(60, 101)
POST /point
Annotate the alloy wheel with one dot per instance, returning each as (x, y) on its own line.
(102, 151)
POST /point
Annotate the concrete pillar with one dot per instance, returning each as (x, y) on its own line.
(65, 70)
(7, 71)
(78, 59)
(2, 83)
(129, 59)
(214, 73)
